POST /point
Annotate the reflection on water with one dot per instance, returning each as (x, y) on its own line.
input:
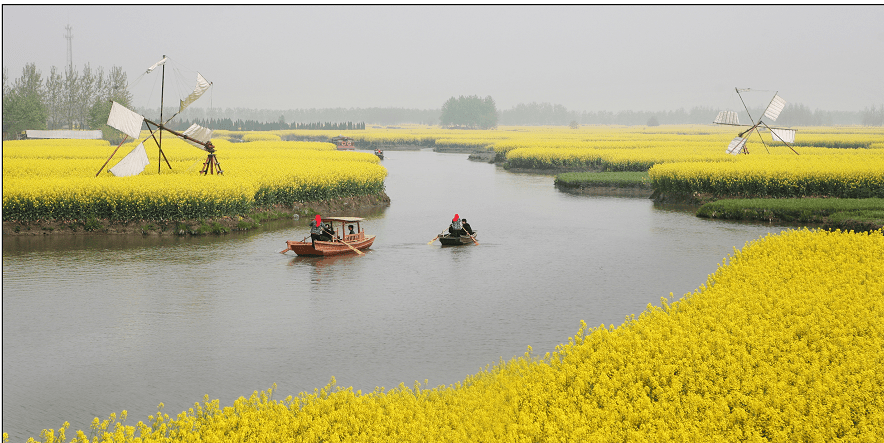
(94, 325)
(327, 268)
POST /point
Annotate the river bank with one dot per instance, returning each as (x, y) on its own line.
(210, 225)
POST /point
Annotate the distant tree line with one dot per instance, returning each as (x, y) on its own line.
(254, 125)
(528, 114)
(374, 116)
(792, 115)
(67, 99)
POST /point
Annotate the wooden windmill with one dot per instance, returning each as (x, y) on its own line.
(129, 122)
(772, 111)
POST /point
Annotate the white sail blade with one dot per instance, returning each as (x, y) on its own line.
(736, 146)
(132, 164)
(784, 135)
(125, 120)
(727, 118)
(201, 86)
(775, 107)
(161, 62)
(200, 133)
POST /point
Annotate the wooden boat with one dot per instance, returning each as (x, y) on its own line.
(379, 153)
(344, 143)
(340, 244)
(456, 240)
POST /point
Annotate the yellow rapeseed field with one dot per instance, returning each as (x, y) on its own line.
(783, 343)
(55, 179)
(694, 155)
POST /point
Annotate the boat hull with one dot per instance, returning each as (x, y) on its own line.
(325, 248)
(448, 240)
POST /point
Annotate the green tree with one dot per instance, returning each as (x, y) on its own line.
(469, 112)
(53, 99)
(113, 88)
(23, 106)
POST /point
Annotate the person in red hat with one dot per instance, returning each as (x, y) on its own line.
(315, 230)
(456, 228)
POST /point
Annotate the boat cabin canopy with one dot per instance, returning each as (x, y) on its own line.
(341, 219)
(344, 221)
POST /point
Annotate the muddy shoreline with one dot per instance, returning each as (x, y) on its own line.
(211, 225)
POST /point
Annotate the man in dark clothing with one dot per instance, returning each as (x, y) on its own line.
(466, 227)
(327, 232)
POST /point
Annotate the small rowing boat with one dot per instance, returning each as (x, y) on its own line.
(456, 240)
(341, 243)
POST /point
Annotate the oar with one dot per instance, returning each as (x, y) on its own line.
(471, 237)
(351, 247)
(436, 237)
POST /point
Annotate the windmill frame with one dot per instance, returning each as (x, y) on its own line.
(772, 111)
(130, 122)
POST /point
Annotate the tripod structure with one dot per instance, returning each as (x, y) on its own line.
(210, 164)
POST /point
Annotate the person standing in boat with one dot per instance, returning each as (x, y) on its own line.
(466, 227)
(315, 230)
(456, 227)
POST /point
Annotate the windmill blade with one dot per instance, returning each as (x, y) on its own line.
(125, 120)
(154, 66)
(132, 164)
(783, 135)
(736, 145)
(200, 133)
(775, 107)
(201, 87)
(727, 118)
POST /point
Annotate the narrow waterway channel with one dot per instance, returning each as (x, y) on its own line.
(94, 325)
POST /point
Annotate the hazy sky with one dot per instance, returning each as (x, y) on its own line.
(588, 58)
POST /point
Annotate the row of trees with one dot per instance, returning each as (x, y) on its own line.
(526, 114)
(67, 99)
(375, 116)
(254, 125)
(792, 115)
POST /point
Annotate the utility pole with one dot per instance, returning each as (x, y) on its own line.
(70, 37)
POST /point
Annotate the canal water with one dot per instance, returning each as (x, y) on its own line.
(94, 325)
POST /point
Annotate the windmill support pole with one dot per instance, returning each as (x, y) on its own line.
(761, 137)
(112, 155)
(744, 104)
(161, 155)
(162, 96)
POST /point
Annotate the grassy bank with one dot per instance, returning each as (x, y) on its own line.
(603, 179)
(224, 224)
(843, 213)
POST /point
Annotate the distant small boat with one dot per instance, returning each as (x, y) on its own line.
(457, 240)
(340, 244)
(344, 143)
(379, 153)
